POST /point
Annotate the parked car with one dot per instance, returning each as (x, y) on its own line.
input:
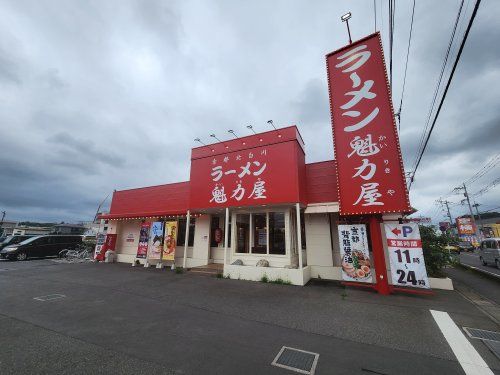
(12, 240)
(452, 248)
(489, 252)
(40, 246)
(466, 246)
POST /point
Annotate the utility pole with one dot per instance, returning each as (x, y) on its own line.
(476, 205)
(1, 223)
(466, 195)
(446, 203)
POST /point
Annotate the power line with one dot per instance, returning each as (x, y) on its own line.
(438, 85)
(375, 14)
(406, 67)
(392, 6)
(488, 187)
(457, 59)
(492, 163)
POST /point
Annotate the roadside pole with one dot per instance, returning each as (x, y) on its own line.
(381, 282)
(470, 210)
(476, 205)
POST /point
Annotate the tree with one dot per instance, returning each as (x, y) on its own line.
(435, 255)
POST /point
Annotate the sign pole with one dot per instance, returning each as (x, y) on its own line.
(381, 284)
(226, 236)
(299, 236)
(186, 239)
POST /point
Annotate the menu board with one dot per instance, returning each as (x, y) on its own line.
(406, 255)
(354, 253)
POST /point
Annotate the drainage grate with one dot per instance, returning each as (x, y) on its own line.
(296, 360)
(50, 297)
(482, 334)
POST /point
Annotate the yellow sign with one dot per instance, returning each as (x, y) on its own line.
(170, 240)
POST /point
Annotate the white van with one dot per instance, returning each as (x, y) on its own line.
(489, 252)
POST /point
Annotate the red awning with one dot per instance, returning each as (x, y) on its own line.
(151, 201)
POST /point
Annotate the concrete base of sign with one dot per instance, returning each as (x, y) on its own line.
(445, 283)
(326, 272)
(252, 273)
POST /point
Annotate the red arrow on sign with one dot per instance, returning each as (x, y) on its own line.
(396, 231)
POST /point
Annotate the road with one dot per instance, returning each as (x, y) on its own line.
(472, 259)
(115, 319)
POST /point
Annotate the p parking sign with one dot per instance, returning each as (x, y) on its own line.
(406, 255)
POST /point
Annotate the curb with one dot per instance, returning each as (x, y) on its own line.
(487, 273)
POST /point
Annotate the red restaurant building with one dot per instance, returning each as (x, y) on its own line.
(254, 205)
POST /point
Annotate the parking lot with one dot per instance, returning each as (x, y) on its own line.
(60, 318)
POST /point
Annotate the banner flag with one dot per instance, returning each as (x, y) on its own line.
(354, 253)
(156, 242)
(170, 240)
(142, 247)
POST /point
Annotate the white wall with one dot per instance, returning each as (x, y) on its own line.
(201, 245)
(321, 235)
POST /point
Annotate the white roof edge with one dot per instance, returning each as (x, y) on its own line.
(317, 208)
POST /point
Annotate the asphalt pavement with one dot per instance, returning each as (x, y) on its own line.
(472, 259)
(87, 318)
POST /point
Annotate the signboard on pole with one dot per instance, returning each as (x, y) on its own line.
(465, 226)
(156, 240)
(354, 253)
(370, 168)
(142, 248)
(170, 240)
(100, 239)
(406, 255)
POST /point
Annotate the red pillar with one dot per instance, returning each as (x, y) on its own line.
(381, 283)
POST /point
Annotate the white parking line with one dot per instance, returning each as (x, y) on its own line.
(467, 356)
(49, 297)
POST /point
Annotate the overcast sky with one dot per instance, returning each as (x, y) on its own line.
(103, 95)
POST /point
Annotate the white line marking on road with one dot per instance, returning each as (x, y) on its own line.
(467, 356)
(481, 270)
(49, 297)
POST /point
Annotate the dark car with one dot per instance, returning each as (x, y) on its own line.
(12, 240)
(466, 246)
(40, 246)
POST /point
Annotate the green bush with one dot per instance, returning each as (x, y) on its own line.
(219, 275)
(280, 281)
(264, 279)
(179, 270)
(435, 255)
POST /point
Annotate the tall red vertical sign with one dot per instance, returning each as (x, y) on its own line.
(370, 168)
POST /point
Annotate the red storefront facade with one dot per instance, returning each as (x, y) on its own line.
(254, 206)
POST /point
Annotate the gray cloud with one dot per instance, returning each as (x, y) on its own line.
(110, 95)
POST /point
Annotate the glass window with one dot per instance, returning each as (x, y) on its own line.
(214, 225)
(181, 231)
(192, 226)
(277, 233)
(259, 234)
(242, 233)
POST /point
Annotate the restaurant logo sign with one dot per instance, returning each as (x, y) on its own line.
(354, 253)
(406, 255)
(246, 177)
(370, 168)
